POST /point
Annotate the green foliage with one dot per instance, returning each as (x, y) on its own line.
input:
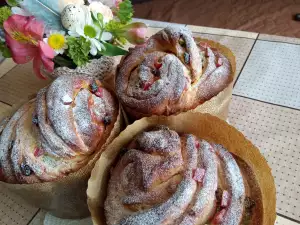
(116, 28)
(12, 3)
(112, 50)
(100, 18)
(4, 50)
(113, 26)
(97, 19)
(121, 40)
(78, 50)
(5, 12)
(90, 31)
(125, 12)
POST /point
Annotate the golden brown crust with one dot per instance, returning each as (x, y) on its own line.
(163, 177)
(171, 74)
(204, 126)
(57, 133)
(253, 191)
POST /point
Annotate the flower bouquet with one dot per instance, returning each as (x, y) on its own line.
(69, 34)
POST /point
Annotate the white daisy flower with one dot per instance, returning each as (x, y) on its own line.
(57, 41)
(91, 33)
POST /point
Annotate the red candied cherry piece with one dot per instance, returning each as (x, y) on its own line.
(157, 64)
(187, 82)
(211, 149)
(219, 62)
(197, 144)
(202, 48)
(219, 217)
(99, 92)
(77, 84)
(38, 152)
(206, 53)
(199, 175)
(204, 45)
(100, 129)
(185, 87)
(225, 199)
(90, 101)
(146, 86)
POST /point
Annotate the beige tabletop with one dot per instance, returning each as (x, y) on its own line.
(265, 107)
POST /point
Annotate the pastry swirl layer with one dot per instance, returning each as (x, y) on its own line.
(170, 73)
(163, 177)
(56, 133)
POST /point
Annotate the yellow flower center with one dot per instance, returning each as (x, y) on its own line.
(56, 41)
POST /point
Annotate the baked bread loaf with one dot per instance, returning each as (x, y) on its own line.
(163, 177)
(58, 132)
(171, 73)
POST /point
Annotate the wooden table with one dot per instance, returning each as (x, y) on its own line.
(265, 107)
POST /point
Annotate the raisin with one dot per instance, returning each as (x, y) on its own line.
(186, 58)
(35, 120)
(94, 87)
(26, 170)
(107, 120)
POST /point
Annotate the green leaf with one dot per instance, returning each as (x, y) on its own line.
(78, 50)
(112, 50)
(120, 41)
(5, 12)
(4, 50)
(12, 3)
(6, 53)
(125, 11)
(96, 21)
(90, 31)
(114, 26)
(100, 18)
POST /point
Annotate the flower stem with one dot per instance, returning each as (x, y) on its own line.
(101, 32)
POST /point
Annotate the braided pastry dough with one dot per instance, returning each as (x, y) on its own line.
(171, 73)
(164, 177)
(56, 133)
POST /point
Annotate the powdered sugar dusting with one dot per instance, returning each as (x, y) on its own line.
(179, 83)
(153, 182)
(65, 131)
(234, 178)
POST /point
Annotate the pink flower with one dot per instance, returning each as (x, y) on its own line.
(24, 37)
(135, 33)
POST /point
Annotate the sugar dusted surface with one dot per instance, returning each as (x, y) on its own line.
(152, 183)
(234, 178)
(176, 86)
(65, 134)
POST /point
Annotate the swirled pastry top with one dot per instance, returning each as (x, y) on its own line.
(55, 134)
(171, 73)
(163, 177)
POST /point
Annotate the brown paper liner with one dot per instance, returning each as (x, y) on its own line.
(204, 126)
(66, 197)
(219, 104)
